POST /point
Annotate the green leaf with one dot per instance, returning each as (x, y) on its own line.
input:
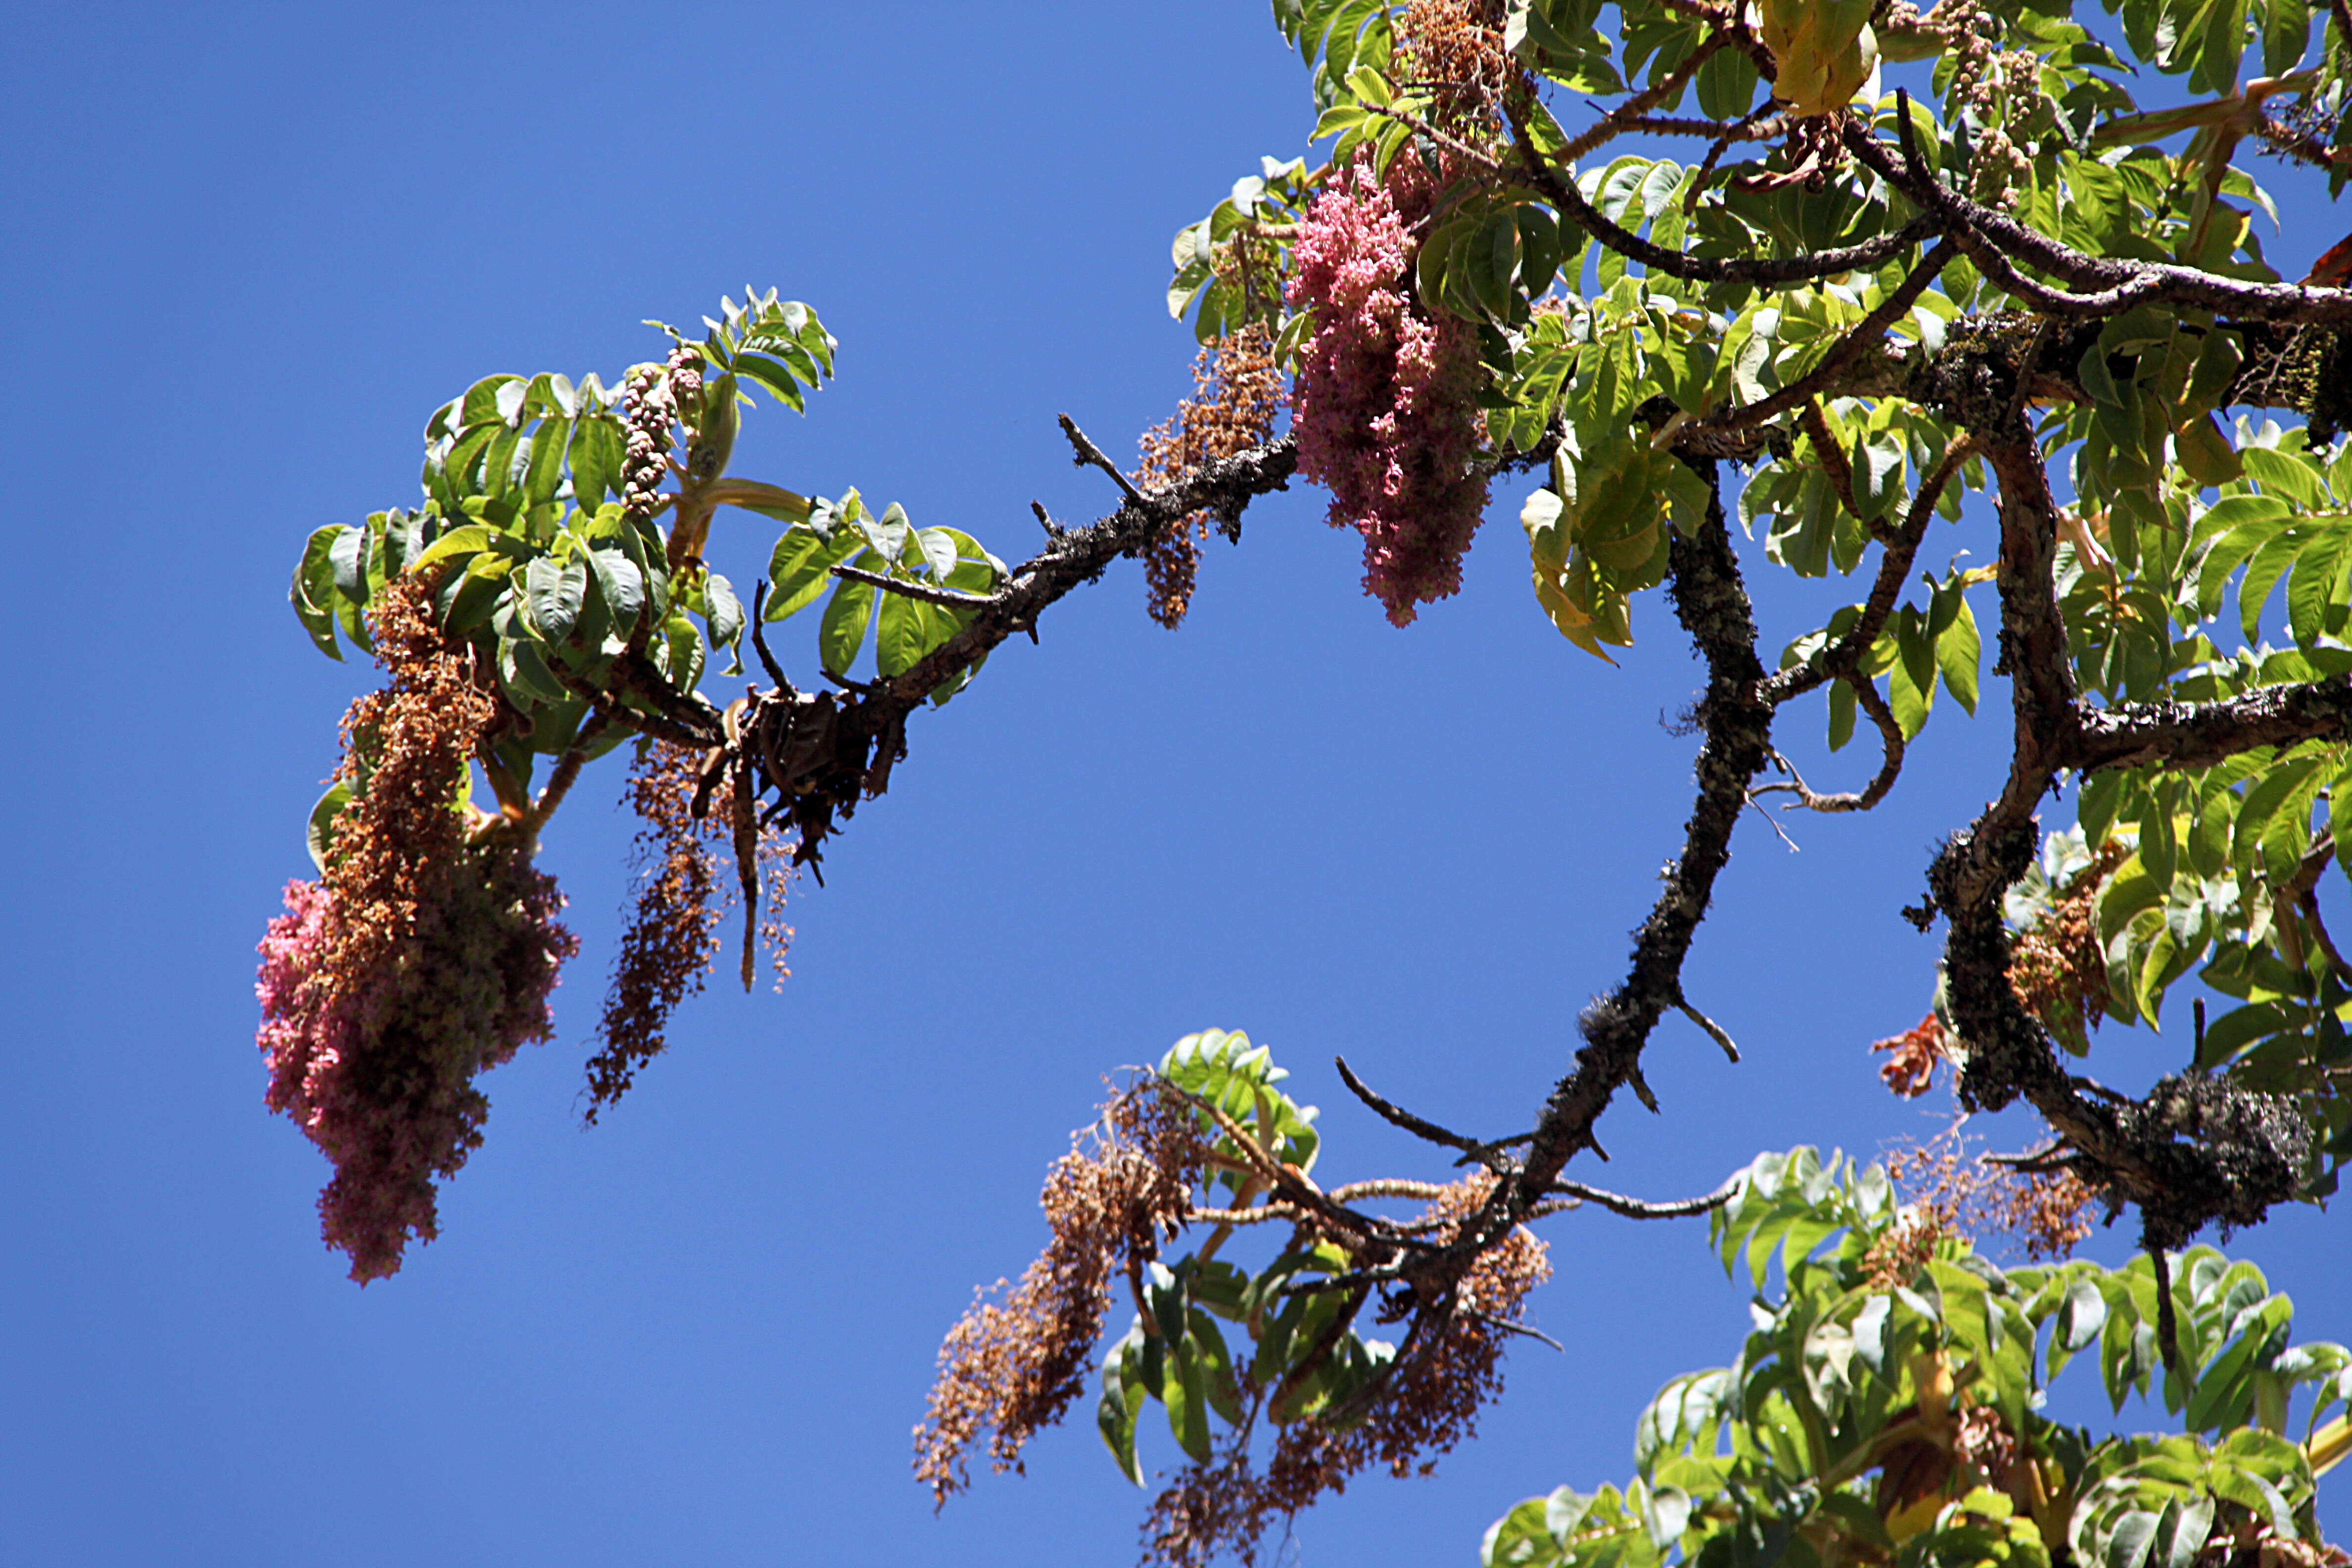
(1960, 654)
(841, 632)
(1121, 1401)
(555, 592)
(721, 609)
(470, 539)
(320, 839)
(312, 593)
(622, 585)
(1183, 1388)
(801, 569)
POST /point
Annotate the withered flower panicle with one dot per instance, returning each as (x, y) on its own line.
(1014, 1366)
(1237, 391)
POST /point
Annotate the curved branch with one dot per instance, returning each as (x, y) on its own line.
(1636, 1208)
(2110, 287)
(1772, 270)
(1890, 766)
(1893, 570)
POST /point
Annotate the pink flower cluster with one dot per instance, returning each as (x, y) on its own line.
(378, 1066)
(1385, 407)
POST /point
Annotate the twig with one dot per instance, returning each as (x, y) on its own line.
(1782, 833)
(1257, 1215)
(1388, 1187)
(1507, 1326)
(1867, 332)
(1090, 454)
(948, 598)
(1354, 1280)
(1714, 1030)
(1893, 570)
(1615, 122)
(1420, 1126)
(1834, 466)
(2051, 1156)
(2168, 1325)
(759, 639)
(1636, 1208)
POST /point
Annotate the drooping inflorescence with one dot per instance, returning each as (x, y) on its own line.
(1384, 406)
(421, 958)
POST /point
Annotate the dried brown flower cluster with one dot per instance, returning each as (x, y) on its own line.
(666, 954)
(425, 956)
(1450, 1365)
(1014, 1366)
(2056, 965)
(1910, 1065)
(1454, 49)
(1238, 390)
(1949, 1191)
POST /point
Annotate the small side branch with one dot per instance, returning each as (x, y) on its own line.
(1621, 119)
(1712, 1030)
(1890, 767)
(1636, 1208)
(947, 598)
(1868, 333)
(1090, 455)
(1486, 1154)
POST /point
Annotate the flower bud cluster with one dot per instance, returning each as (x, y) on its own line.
(646, 464)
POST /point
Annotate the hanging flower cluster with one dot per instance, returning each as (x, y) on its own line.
(1237, 389)
(1385, 405)
(424, 957)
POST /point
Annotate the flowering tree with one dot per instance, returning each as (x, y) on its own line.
(1903, 258)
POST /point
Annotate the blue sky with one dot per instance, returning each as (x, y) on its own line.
(250, 249)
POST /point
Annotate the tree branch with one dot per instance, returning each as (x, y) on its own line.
(1486, 1154)
(1711, 601)
(1868, 333)
(1768, 271)
(1080, 554)
(2199, 735)
(1894, 571)
(1987, 232)
(1635, 1208)
(948, 598)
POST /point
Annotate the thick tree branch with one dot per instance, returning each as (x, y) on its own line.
(2199, 735)
(2199, 1148)
(1711, 601)
(2105, 287)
